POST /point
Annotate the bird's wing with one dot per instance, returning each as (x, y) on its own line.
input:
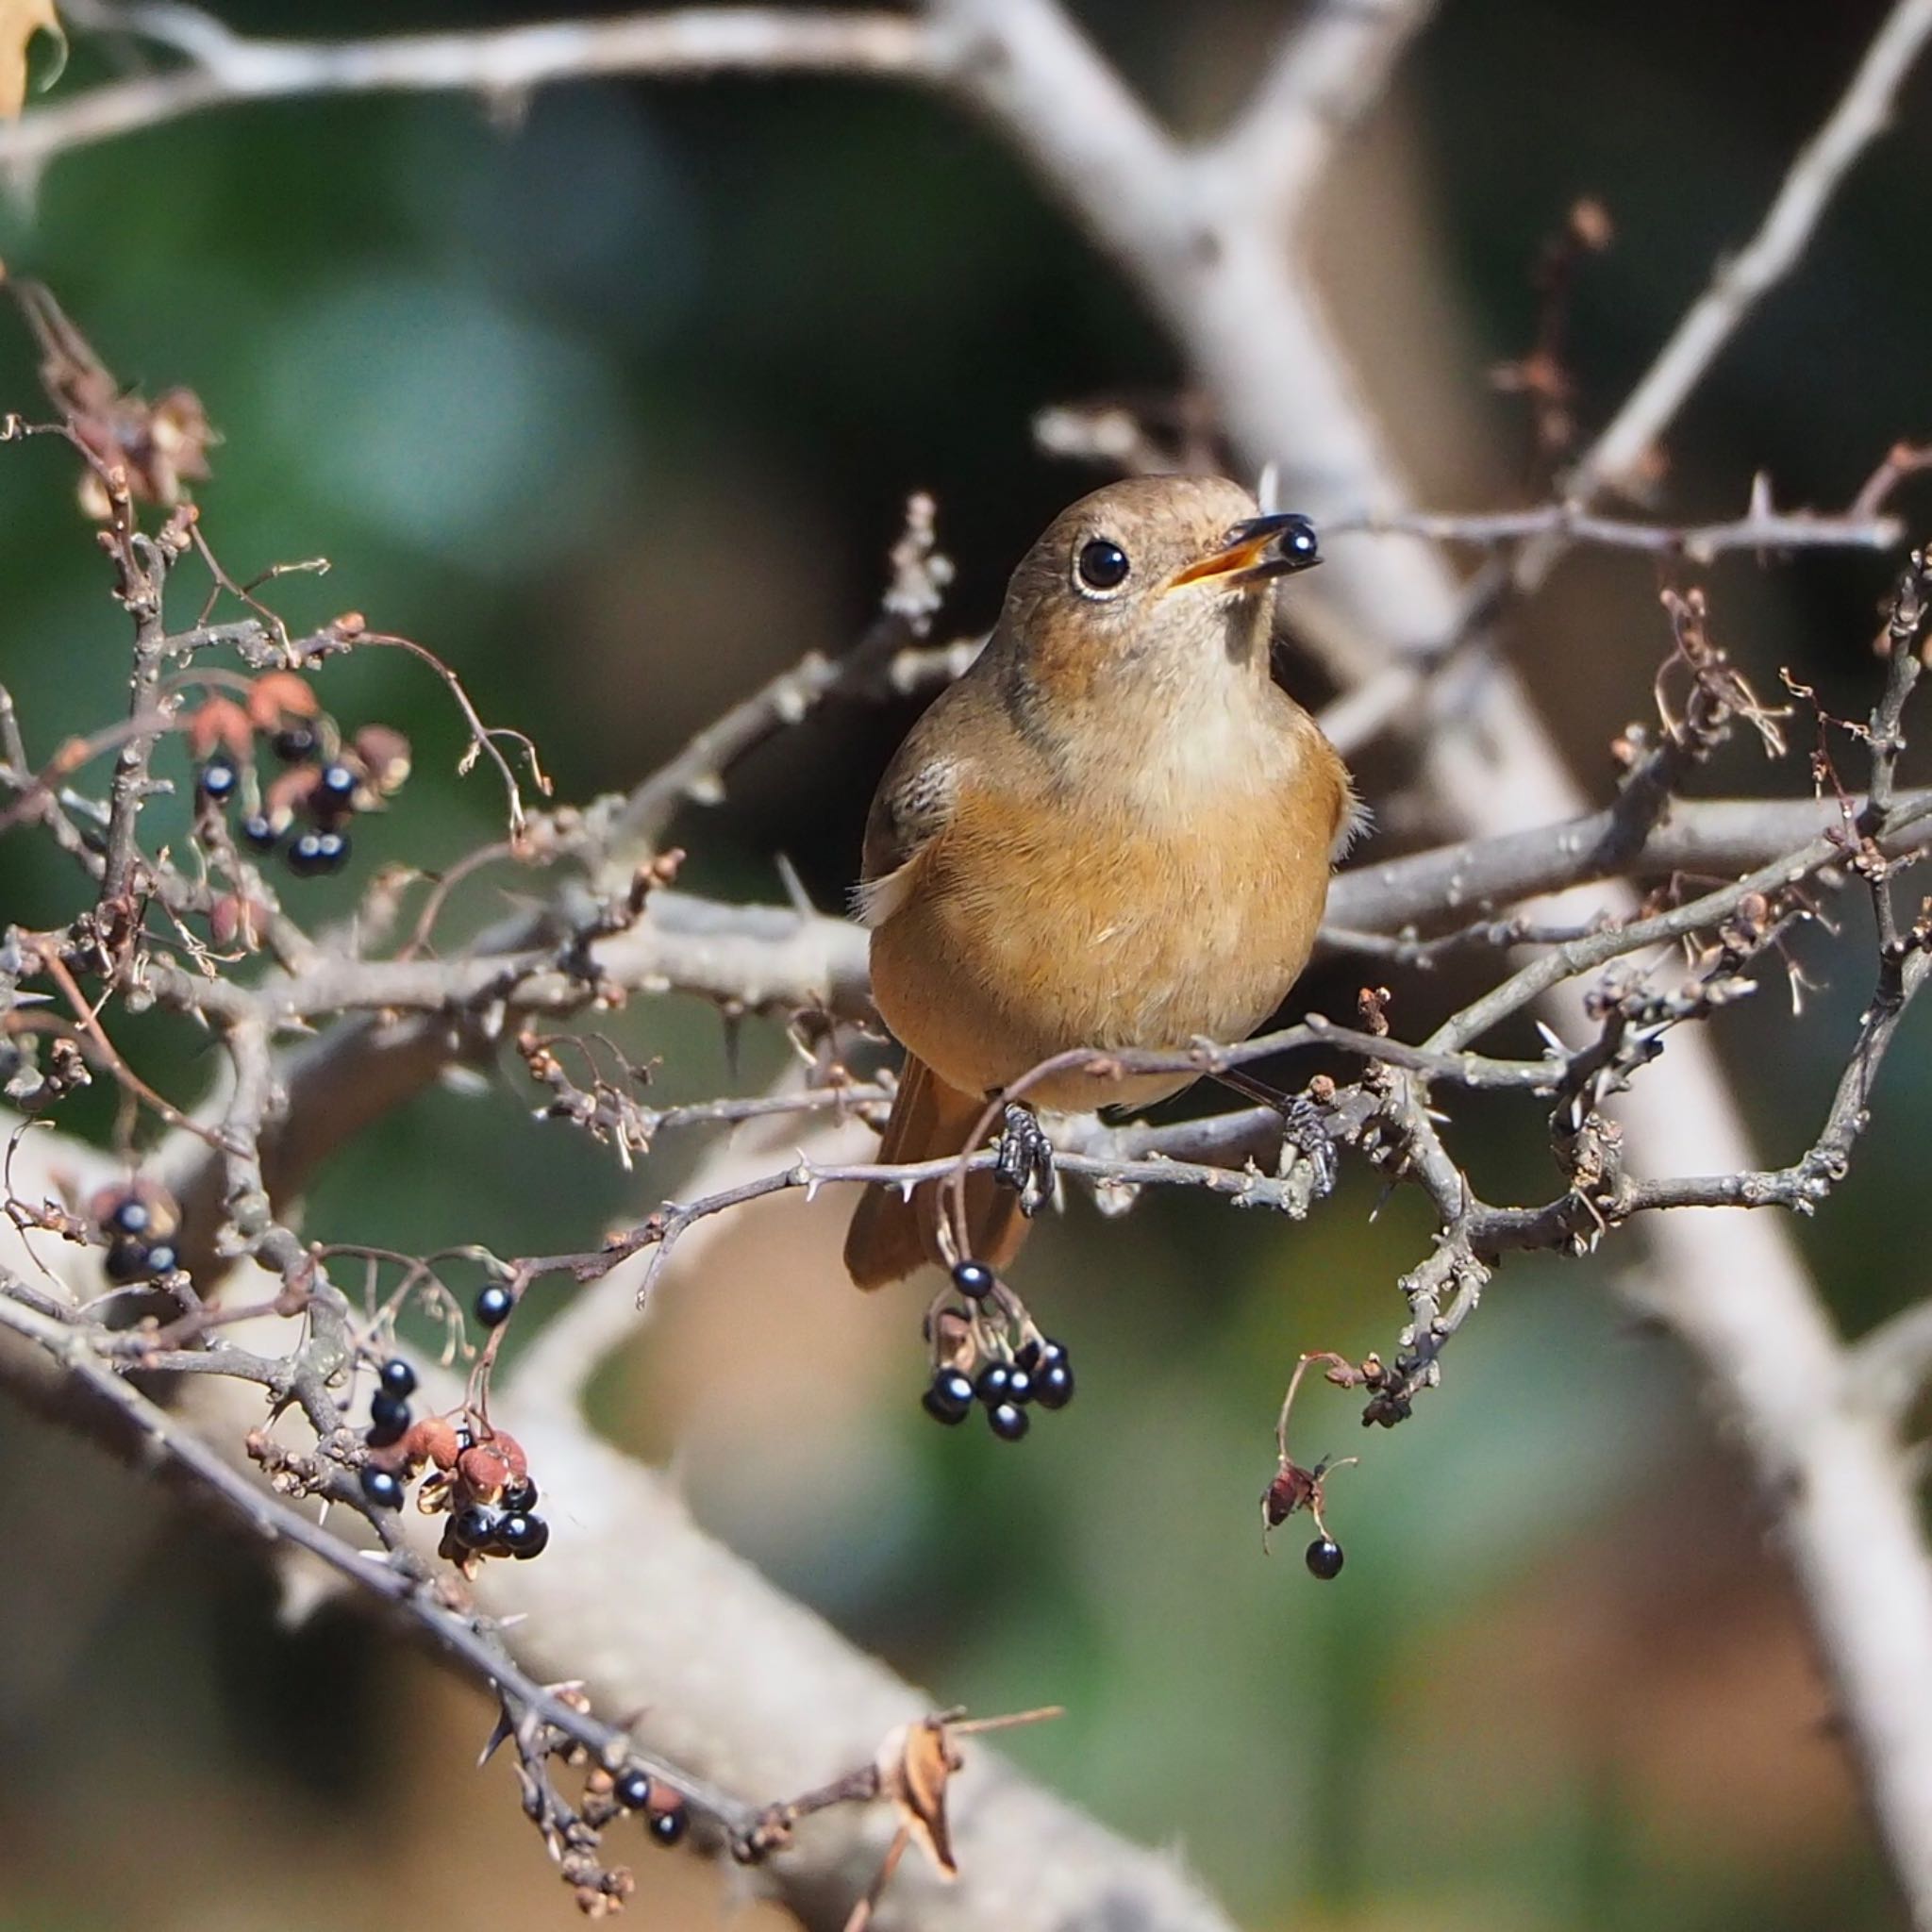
(914, 803)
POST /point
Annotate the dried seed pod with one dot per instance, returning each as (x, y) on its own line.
(221, 724)
(434, 1439)
(278, 696)
(484, 1470)
(290, 793)
(233, 920)
(488, 1468)
(384, 755)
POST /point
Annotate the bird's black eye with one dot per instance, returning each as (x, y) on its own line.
(1102, 566)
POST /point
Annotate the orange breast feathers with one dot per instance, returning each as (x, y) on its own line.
(1033, 924)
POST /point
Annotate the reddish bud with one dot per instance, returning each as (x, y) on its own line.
(279, 695)
(433, 1440)
(384, 755)
(289, 791)
(235, 921)
(221, 724)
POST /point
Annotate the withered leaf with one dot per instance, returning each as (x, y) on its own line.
(915, 1765)
(20, 21)
(149, 449)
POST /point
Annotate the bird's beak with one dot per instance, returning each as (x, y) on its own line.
(1260, 549)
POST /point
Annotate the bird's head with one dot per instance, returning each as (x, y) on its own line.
(1153, 581)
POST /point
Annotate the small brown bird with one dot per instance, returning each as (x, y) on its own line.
(1114, 831)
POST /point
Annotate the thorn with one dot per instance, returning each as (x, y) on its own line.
(798, 898)
(500, 1735)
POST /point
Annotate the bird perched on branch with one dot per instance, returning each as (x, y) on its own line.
(1114, 831)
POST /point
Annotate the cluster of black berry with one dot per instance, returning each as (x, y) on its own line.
(976, 1365)
(323, 784)
(388, 1407)
(484, 1486)
(138, 1228)
(389, 1422)
(510, 1528)
(666, 1819)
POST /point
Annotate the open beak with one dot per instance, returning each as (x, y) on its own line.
(1262, 548)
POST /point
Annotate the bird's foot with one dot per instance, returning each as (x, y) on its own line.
(1025, 1159)
(1304, 1128)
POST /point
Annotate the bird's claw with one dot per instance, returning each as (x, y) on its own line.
(1025, 1159)
(1304, 1129)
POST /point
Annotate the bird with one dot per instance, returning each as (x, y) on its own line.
(1115, 830)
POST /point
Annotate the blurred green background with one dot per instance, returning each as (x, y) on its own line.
(616, 407)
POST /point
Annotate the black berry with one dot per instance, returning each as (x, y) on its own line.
(127, 1261)
(668, 1827)
(130, 1216)
(475, 1527)
(1053, 1383)
(991, 1386)
(520, 1497)
(293, 742)
(633, 1790)
(383, 1487)
(524, 1535)
(335, 788)
(259, 832)
(493, 1304)
(162, 1259)
(1019, 1385)
(318, 851)
(974, 1279)
(950, 1397)
(1009, 1421)
(217, 781)
(397, 1377)
(1027, 1356)
(386, 1411)
(1324, 1559)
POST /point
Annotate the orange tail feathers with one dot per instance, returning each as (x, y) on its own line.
(892, 1236)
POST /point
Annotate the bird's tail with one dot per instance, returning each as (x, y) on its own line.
(891, 1236)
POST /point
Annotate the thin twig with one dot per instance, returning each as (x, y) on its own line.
(1863, 112)
(224, 68)
(1767, 530)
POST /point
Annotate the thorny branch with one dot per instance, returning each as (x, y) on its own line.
(220, 67)
(396, 1580)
